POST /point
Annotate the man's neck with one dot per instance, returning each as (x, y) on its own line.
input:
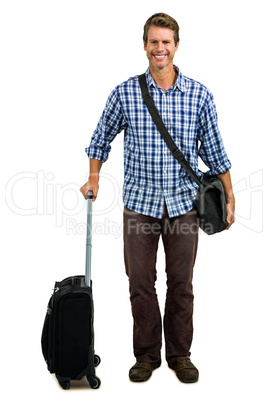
(164, 78)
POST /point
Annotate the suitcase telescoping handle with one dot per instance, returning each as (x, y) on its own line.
(88, 240)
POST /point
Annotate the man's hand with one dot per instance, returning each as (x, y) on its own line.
(225, 178)
(91, 185)
(230, 206)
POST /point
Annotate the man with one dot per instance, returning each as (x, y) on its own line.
(159, 195)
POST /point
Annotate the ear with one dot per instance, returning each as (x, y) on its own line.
(176, 47)
(144, 45)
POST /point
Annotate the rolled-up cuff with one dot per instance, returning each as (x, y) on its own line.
(219, 169)
(95, 152)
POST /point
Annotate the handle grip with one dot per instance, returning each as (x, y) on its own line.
(89, 194)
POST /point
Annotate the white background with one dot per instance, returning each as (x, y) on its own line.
(59, 62)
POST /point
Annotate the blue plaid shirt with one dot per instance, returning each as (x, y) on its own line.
(151, 174)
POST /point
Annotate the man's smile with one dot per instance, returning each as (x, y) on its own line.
(160, 56)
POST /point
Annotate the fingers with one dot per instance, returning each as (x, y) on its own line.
(94, 192)
(230, 206)
(86, 188)
(84, 191)
(230, 220)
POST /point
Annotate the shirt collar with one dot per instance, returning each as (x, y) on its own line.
(180, 82)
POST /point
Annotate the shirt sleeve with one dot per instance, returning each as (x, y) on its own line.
(211, 150)
(111, 123)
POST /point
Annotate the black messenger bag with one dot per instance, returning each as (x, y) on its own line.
(210, 200)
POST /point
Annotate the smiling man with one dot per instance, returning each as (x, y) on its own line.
(159, 196)
(160, 47)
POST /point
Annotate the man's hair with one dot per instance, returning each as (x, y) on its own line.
(161, 20)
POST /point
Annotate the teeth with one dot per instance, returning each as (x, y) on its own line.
(160, 57)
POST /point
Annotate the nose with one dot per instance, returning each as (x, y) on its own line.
(160, 47)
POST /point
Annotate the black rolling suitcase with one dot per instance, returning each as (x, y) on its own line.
(68, 333)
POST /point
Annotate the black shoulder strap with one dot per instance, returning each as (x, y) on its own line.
(175, 151)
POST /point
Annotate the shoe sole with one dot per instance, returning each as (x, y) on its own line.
(140, 379)
(188, 382)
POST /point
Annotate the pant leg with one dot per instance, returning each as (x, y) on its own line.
(180, 239)
(141, 236)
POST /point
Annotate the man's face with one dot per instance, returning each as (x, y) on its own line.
(160, 47)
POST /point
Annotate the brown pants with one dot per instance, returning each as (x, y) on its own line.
(180, 239)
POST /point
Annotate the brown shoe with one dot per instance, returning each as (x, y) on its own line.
(184, 369)
(142, 371)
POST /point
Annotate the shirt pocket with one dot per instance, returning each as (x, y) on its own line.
(184, 125)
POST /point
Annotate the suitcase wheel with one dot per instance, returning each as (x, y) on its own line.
(97, 360)
(94, 382)
(64, 384)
